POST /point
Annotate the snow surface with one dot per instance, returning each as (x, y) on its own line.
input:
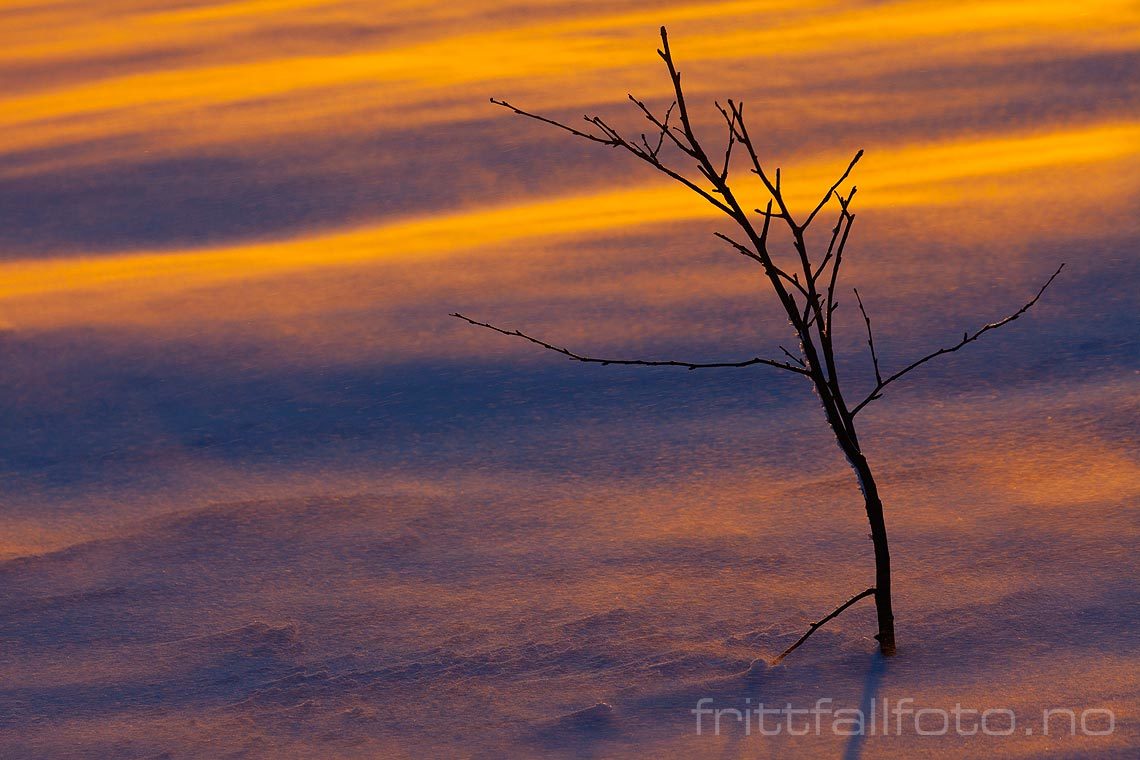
(516, 614)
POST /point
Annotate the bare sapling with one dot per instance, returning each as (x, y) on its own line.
(805, 282)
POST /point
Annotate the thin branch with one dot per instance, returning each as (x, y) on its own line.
(839, 247)
(611, 134)
(640, 362)
(704, 164)
(745, 139)
(675, 77)
(746, 251)
(843, 218)
(808, 316)
(819, 624)
(793, 357)
(652, 160)
(662, 126)
(683, 180)
(741, 249)
(613, 139)
(734, 209)
(796, 229)
(731, 121)
(832, 189)
(966, 338)
(870, 339)
(576, 132)
(767, 223)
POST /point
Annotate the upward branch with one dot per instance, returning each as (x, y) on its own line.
(967, 338)
(832, 190)
(870, 339)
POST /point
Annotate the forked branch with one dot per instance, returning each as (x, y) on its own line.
(640, 362)
(615, 139)
(845, 219)
(744, 250)
(832, 190)
(967, 338)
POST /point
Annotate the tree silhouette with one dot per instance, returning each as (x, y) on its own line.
(806, 290)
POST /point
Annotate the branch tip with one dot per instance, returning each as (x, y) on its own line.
(967, 338)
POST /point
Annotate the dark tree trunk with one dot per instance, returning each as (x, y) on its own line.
(842, 423)
(874, 505)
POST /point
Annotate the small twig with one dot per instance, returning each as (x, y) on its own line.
(870, 339)
(793, 357)
(609, 140)
(819, 624)
(614, 139)
(767, 224)
(844, 217)
(966, 339)
(640, 362)
(832, 189)
(746, 251)
(808, 316)
(664, 129)
(662, 126)
(731, 120)
(849, 218)
(743, 250)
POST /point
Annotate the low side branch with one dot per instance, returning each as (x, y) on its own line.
(639, 362)
(966, 339)
(820, 623)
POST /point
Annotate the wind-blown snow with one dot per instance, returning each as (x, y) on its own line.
(260, 497)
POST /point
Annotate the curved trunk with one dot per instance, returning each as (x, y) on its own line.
(874, 505)
(842, 424)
